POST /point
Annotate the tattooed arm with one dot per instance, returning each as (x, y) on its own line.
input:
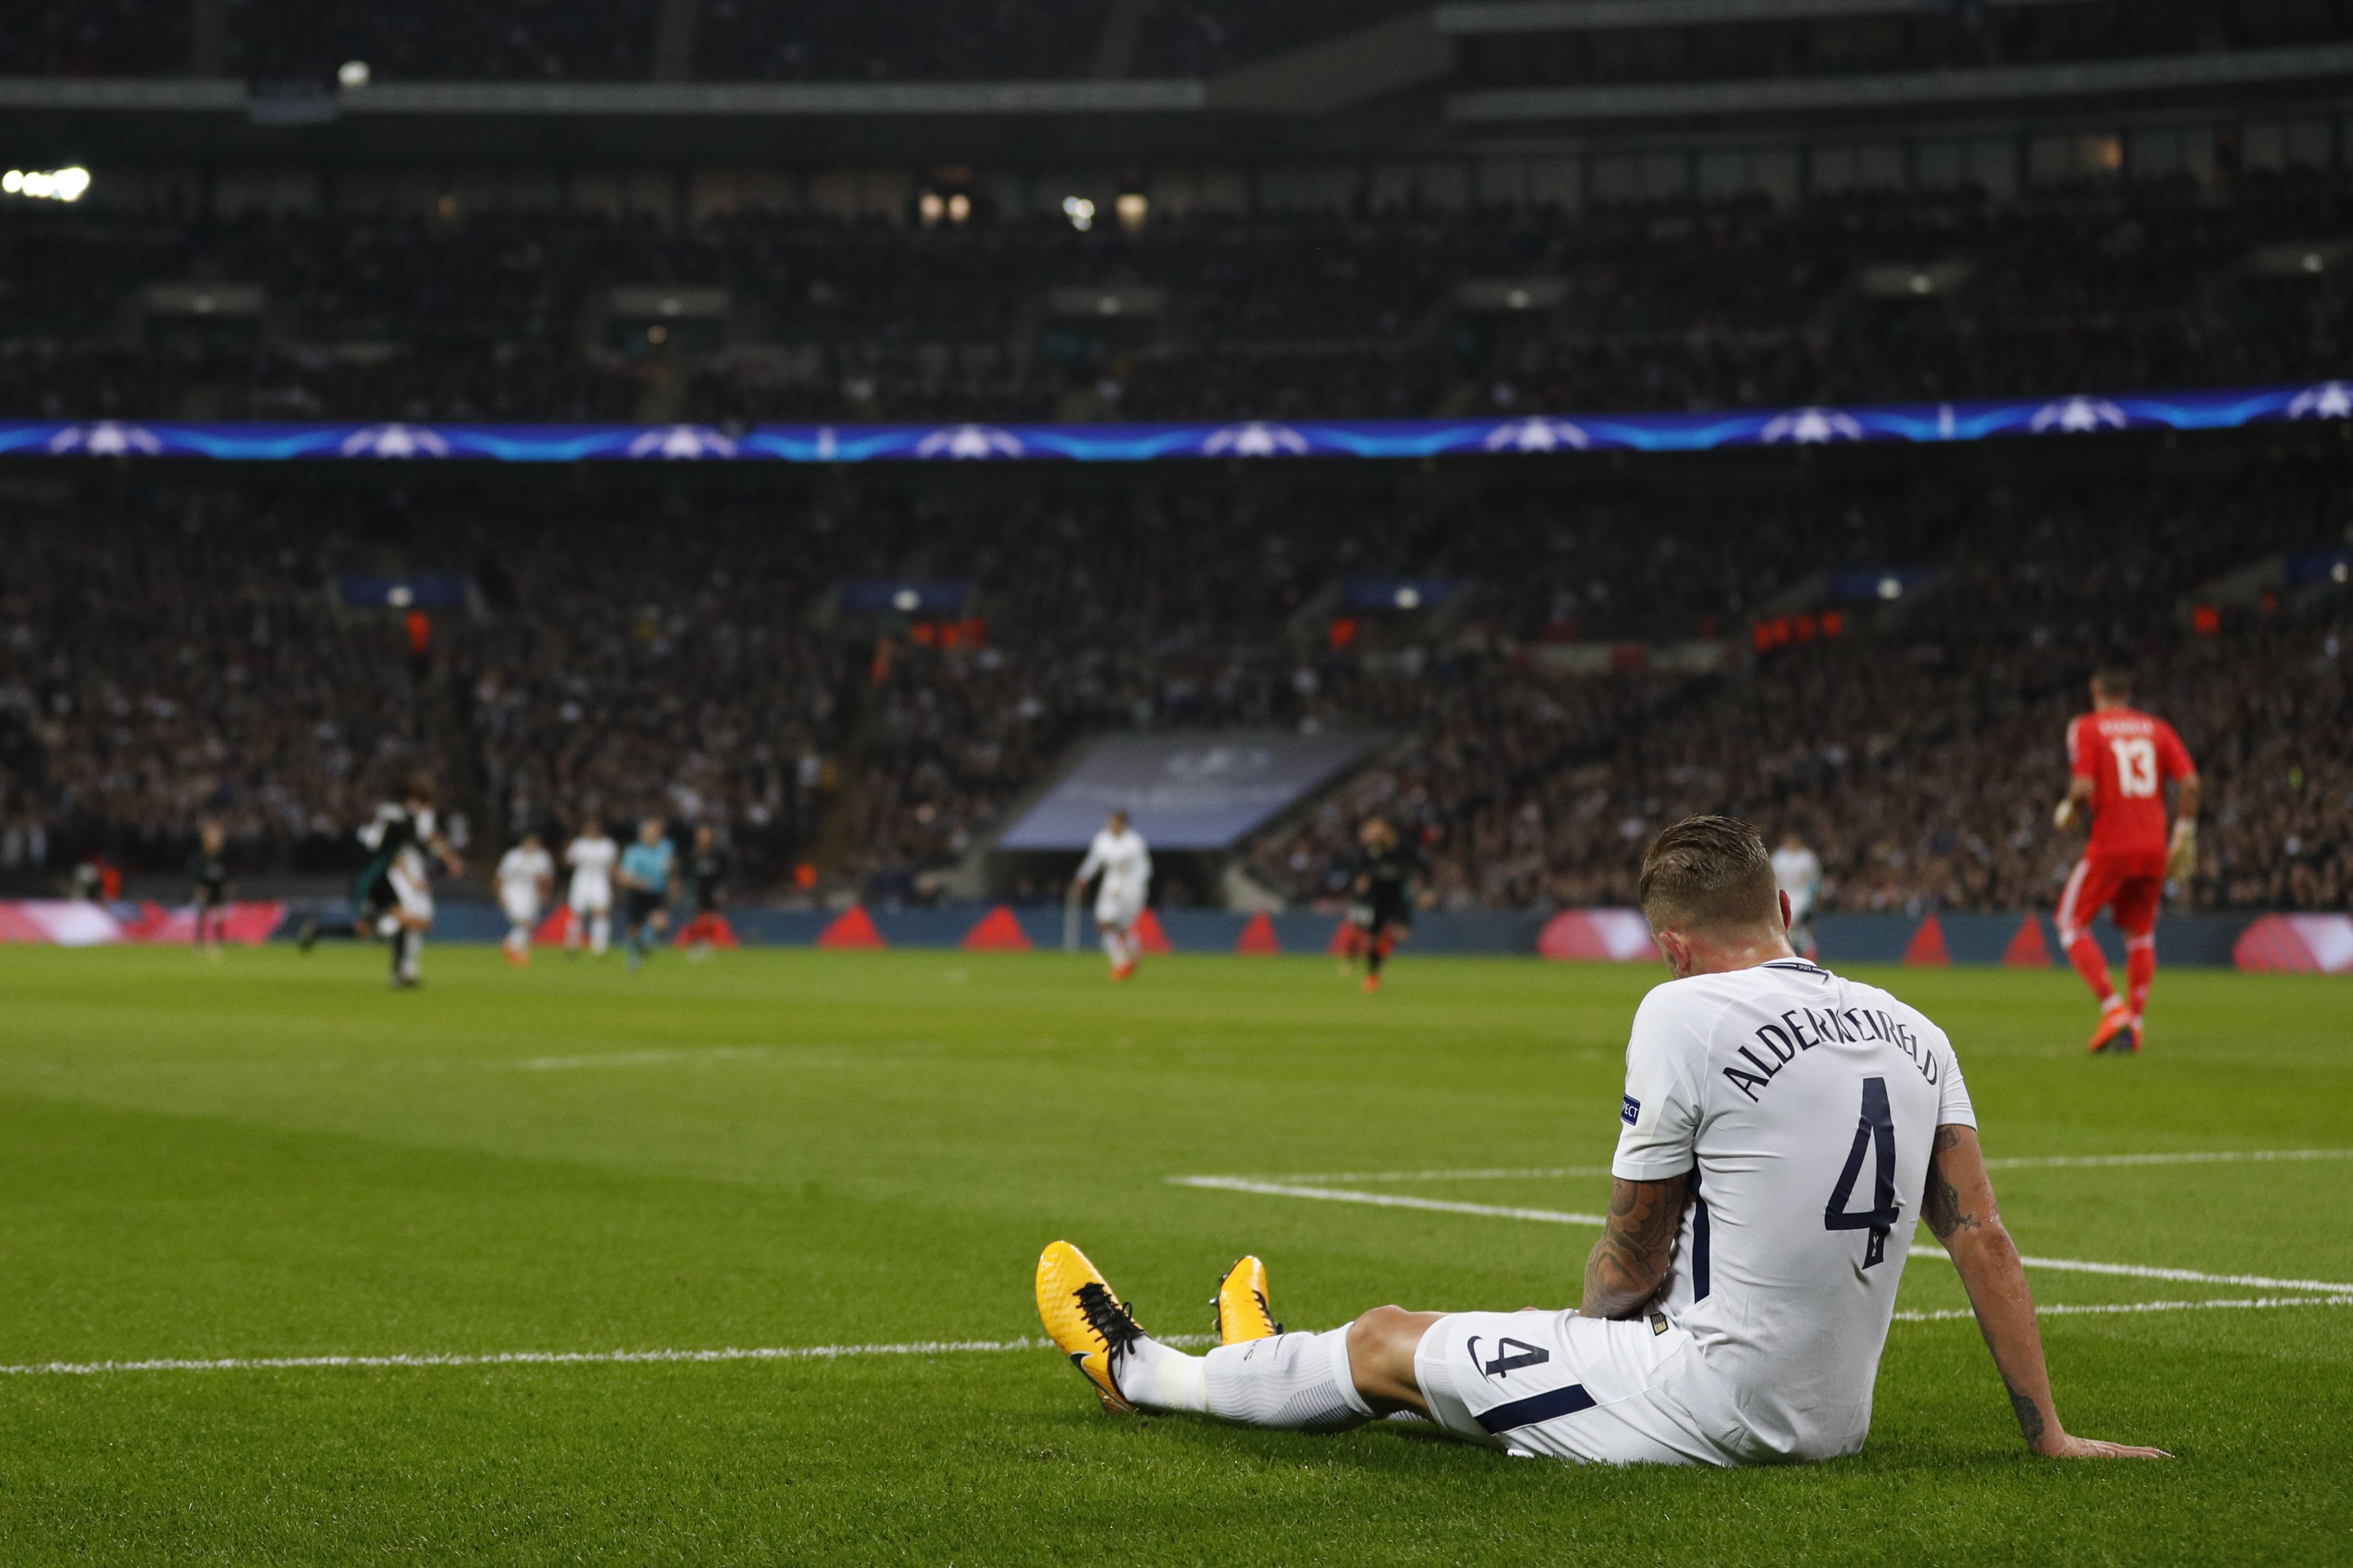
(1630, 1262)
(1958, 1207)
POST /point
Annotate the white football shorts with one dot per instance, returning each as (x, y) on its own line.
(1118, 913)
(1592, 1391)
(521, 905)
(412, 893)
(591, 898)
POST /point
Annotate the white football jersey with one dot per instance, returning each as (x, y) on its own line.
(521, 870)
(408, 830)
(1805, 1105)
(1125, 864)
(1800, 873)
(592, 861)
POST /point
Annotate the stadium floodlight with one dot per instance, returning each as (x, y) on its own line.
(931, 207)
(959, 208)
(1409, 597)
(352, 73)
(2340, 572)
(65, 184)
(1079, 211)
(2312, 261)
(906, 600)
(1134, 207)
(1891, 588)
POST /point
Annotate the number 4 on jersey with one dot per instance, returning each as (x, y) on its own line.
(1874, 1131)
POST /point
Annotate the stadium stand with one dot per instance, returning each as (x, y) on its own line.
(96, 38)
(514, 316)
(172, 657)
(1205, 37)
(1208, 211)
(1760, 45)
(447, 39)
(527, 40)
(172, 653)
(924, 40)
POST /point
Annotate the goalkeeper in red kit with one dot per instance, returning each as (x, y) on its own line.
(2120, 760)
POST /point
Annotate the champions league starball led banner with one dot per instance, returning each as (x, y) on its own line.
(1554, 434)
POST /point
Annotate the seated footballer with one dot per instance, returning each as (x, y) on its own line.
(1785, 1130)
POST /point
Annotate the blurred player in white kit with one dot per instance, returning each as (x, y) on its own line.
(526, 877)
(1121, 858)
(395, 898)
(1799, 871)
(591, 857)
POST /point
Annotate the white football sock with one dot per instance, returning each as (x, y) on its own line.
(412, 957)
(600, 933)
(1157, 1378)
(1299, 1383)
(1111, 946)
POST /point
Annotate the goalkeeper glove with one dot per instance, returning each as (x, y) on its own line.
(2181, 855)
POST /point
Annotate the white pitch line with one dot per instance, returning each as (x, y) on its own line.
(543, 1358)
(1564, 1216)
(2023, 1163)
(430, 1359)
(2182, 1157)
(2145, 1272)
(1499, 1173)
(1381, 1200)
(2101, 1309)
(641, 1059)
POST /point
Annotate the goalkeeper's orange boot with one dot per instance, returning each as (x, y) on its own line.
(2116, 1032)
(1084, 1319)
(1241, 1306)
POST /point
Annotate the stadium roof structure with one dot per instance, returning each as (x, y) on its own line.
(1111, 443)
(1408, 85)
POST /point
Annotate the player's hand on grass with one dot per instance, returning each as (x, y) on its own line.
(2064, 1446)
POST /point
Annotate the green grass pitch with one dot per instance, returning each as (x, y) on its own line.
(271, 1157)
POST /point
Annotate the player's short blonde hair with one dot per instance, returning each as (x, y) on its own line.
(1708, 873)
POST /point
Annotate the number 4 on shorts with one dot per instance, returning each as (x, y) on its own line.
(1874, 1130)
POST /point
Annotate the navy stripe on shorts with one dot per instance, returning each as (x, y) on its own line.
(1537, 1407)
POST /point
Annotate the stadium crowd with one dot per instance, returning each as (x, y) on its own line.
(176, 660)
(510, 316)
(175, 653)
(1917, 750)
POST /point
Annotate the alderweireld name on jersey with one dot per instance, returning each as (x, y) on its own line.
(1854, 1026)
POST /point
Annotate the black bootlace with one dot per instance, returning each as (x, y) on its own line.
(1108, 1316)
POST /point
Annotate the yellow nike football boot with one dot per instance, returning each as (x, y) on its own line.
(1241, 1306)
(1084, 1319)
